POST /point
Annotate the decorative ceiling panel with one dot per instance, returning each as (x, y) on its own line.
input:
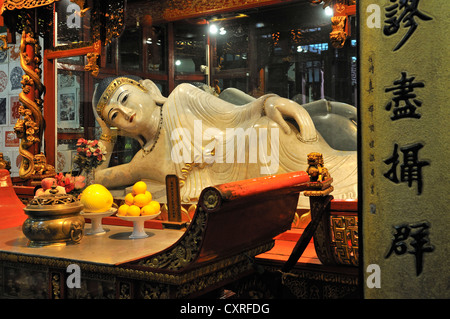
(171, 10)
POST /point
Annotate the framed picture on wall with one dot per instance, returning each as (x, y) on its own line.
(15, 77)
(3, 80)
(3, 54)
(14, 105)
(68, 108)
(3, 111)
(11, 139)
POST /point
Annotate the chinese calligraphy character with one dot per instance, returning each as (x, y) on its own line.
(410, 169)
(392, 173)
(395, 17)
(419, 242)
(404, 92)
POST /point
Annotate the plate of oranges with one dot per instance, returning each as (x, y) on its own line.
(138, 207)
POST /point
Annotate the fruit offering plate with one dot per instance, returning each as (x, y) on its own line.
(138, 224)
(96, 220)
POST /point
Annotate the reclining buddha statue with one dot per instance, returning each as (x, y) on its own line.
(206, 140)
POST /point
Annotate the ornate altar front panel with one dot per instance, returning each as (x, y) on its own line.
(27, 272)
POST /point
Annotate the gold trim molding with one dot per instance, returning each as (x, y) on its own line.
(24, 4)
(180, 9)
(139, 274)
(328, 3)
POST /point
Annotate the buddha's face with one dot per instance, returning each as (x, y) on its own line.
(131, 110)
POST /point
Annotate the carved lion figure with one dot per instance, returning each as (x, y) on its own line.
(316, 170)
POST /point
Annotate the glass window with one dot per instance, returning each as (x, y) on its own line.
(284, 50)
(231, 40)
(190, 47)
(130, 49)
(155, 40)
(70, 117)
(69, 100)
(72, 23)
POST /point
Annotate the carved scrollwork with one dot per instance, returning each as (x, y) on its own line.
(76, 231)
(29, 128)
(52, 200)
(344, 239)
(328, 3)
(210, 199)
(154, 291)
(338, 35)
(187, 249)
(4, 43)
(24, 4)
(107, 20)
(91, 65)
(56, 286)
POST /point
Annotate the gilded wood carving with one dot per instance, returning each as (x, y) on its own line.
(328, 3)
(24, 4)
(29, 128)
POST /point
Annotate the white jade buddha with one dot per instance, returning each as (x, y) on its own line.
(206, 140)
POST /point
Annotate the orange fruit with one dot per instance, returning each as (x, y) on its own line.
(148, 195)
(122, 211)
(129, 199)
(139, 188)
(151, 208)
(133, 210)
(141, 200)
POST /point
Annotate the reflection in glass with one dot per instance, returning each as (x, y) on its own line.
(72, 25)
(130, 50)
(284, 50)
(232, 45)
(156, 44)
(70, 114)
(69, 97)
(190, 47)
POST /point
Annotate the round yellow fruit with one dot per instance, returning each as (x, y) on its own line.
(96, 198)
(133, 210)
(129, 199)
(122, 211)
(141, 200)
(151, 208)
(149, 196)
(139, 188)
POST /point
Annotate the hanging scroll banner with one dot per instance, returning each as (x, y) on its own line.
(404, 143)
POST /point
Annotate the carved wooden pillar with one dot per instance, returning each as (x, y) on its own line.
(403, 130)
(31, 19)
(29, 128)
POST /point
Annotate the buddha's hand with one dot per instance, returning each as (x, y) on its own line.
(106, 135)
(278, 109)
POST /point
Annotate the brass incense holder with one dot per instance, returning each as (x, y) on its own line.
(54, 219)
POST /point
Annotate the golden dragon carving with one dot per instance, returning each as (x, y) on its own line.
(29, 128)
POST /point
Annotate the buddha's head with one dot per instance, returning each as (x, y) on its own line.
(130, 104)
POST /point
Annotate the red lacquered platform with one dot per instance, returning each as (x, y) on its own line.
(11, 207)
(284, 245)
